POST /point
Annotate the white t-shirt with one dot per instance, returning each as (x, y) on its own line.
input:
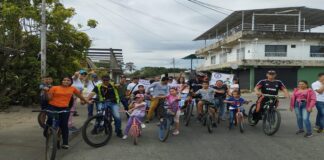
(90, 86)
(234, 87)
(317, 85)
(78, 84)
(131, 86)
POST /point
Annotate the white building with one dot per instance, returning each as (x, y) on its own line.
(250, 42)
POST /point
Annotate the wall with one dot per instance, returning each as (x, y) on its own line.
(309, 73)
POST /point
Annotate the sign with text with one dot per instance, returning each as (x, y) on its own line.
(145, 82)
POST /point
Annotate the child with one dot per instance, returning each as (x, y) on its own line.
(173, 101)
(137, 110)
(44, 87)
(235, 104)
(207, 94)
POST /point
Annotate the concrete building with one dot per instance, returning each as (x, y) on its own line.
(250, 42)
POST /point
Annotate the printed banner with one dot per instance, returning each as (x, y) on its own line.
(144, 82)
(226, 78)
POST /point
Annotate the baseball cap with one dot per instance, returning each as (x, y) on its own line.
(83, 71)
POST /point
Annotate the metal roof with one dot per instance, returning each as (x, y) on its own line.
(313, 17)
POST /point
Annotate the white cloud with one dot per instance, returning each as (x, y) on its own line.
(153, 32)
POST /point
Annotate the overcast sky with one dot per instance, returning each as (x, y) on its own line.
(152, 32)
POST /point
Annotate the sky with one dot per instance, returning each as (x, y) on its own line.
(153, 32)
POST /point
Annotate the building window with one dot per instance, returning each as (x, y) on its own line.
(240, 54)
(213, 60)
(317, 51)
(276, 50)
(293, 46)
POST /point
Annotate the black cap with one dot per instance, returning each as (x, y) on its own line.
(272, 72)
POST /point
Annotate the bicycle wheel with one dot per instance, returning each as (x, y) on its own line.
(164, 129)
(42, 118)
(97, 131)
(209, 124)
(135, 133)
(189, 113)
(251, 121)
(271, 122)
(51, 144)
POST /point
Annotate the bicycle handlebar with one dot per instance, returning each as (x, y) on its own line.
(275, 96)
(49, 111)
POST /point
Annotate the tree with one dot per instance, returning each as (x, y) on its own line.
(130, 67)
(19, 31)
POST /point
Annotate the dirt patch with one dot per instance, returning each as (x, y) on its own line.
(17, 115)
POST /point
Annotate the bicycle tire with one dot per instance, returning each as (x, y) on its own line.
(107, 130)
(209, 124)
(270, 116)
(164, 129)
(189, 113)
(41, 119)
(135, 133)
(250, 116)
(51, 144)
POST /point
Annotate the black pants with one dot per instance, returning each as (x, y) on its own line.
(63, 119)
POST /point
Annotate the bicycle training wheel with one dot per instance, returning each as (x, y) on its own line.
(97, 131)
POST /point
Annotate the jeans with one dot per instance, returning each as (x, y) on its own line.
(320, 114)
(114, 107)
(124, 101)
(219, 103)
(90, 109)
(302, 116)
(63, 120)
(232, 114)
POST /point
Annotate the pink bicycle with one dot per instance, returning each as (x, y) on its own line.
(135, 130)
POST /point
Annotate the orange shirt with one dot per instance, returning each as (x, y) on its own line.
(62, 95)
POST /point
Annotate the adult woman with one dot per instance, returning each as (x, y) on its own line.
(183, 90)
(59, 99)
(303, 101)
(234, 86)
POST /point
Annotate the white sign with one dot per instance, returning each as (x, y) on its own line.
(144, 82)
(226, 78)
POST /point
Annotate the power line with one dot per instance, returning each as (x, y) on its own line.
(190, 8)
(129, 21)
(205, 6)
(153, 17)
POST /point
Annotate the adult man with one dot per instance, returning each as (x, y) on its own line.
(269, 86)
(132, 87)
(108, 95)
(318, 87)
(159, 89)
(122, 89)
(220, 95)
(88, 88)
(195, 83)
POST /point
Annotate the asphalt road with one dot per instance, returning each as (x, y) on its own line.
(24, 141)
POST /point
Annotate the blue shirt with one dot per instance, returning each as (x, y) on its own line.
(237, 102)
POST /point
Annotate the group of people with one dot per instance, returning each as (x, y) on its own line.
(142, 101)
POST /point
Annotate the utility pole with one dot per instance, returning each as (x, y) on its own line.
(173, 62)
(43, 39)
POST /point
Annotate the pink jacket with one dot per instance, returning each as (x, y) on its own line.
(311, 99)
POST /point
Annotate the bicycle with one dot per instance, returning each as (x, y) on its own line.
(207, 118)
(166, 121)
(269, 114)
(188, 110)
(97, 130)
(53, 137)
(239, 119)
(136, 129)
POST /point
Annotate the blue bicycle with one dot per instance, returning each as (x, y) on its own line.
(53, 134)
(166, 121)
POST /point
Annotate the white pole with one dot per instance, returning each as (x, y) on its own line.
(43, 39)
(253, 18)
(242, 20)
(299, 21)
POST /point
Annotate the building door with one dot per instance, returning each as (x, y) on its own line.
(287, 75)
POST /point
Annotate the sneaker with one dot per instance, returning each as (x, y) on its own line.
(308, 135)
(143, 125)
(316, 128)
(124, 137)
(300, 131)
(176, 132)
(214, 125)
(319, 130)
(65, 146)
(73, 129)
(147, 121)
